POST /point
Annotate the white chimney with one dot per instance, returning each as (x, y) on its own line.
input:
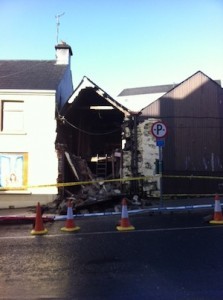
(63, 54)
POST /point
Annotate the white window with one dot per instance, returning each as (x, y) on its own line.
(12, 116)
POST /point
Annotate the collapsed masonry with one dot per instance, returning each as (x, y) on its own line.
(99, 139)
(89, 191)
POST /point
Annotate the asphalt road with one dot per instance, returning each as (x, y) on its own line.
(168, 256)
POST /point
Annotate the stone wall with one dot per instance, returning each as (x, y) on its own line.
(147, 152)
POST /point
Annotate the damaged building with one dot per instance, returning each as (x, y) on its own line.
(97, 141)
(97, 147)
(116, 143)
(93, 137)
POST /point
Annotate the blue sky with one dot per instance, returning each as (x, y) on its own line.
(119, 43)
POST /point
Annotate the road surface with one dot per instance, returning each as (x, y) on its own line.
(168, 256)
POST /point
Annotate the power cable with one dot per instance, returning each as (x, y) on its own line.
(62, 118)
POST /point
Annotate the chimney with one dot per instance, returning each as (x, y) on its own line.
(63, 54)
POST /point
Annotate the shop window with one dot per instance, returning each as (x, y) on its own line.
(13, 170)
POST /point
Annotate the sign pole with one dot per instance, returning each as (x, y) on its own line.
(161, 174)
(159, 131)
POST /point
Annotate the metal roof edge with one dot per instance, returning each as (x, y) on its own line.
(175, 87)
(188, 78)
(154, 89)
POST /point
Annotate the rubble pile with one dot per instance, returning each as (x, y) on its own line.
(88, 196)
(92, 194)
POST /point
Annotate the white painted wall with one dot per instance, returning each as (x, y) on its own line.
(38, 139)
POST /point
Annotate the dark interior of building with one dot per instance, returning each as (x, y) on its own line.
(92, 130)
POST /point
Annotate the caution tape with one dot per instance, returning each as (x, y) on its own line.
(75, 183)
(123, 180)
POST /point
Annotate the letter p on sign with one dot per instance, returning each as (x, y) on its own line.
(159, 130)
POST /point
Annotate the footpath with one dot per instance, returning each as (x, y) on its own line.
(156, 206)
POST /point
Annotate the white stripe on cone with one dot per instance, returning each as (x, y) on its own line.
(70, 213)
(217, 207)
(124, 212)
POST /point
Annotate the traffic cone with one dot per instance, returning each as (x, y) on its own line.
(38, 228)
(124, 222)
(218, 218)
(70, 224)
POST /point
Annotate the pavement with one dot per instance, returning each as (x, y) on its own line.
(156, 205)
(17, 211)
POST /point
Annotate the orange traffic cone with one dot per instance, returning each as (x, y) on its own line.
(124, 223)
(38, 228)
(218, 218)
(70, 225)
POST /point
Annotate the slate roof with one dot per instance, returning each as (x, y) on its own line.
(30, 74)
(147, 90)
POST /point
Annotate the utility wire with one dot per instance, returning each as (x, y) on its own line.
(84, 131)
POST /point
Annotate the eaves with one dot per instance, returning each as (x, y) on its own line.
(28, 92)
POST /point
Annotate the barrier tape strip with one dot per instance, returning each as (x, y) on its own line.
(126, 179)
(104, 214)
(79, 183)
(140, 211)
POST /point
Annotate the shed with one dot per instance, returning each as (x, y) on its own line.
(193, 114)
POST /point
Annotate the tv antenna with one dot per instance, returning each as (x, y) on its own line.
(58, 24)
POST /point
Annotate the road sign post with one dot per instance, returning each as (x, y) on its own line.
(159, 131)
(161, 174)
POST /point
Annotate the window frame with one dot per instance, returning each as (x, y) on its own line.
(3, 116)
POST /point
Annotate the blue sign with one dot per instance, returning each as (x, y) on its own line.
(160, 143)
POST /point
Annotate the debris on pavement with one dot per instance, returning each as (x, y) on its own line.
(97, 196)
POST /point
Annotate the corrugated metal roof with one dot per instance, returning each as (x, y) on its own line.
(180, 91)
(147, 90)
(30, 74)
